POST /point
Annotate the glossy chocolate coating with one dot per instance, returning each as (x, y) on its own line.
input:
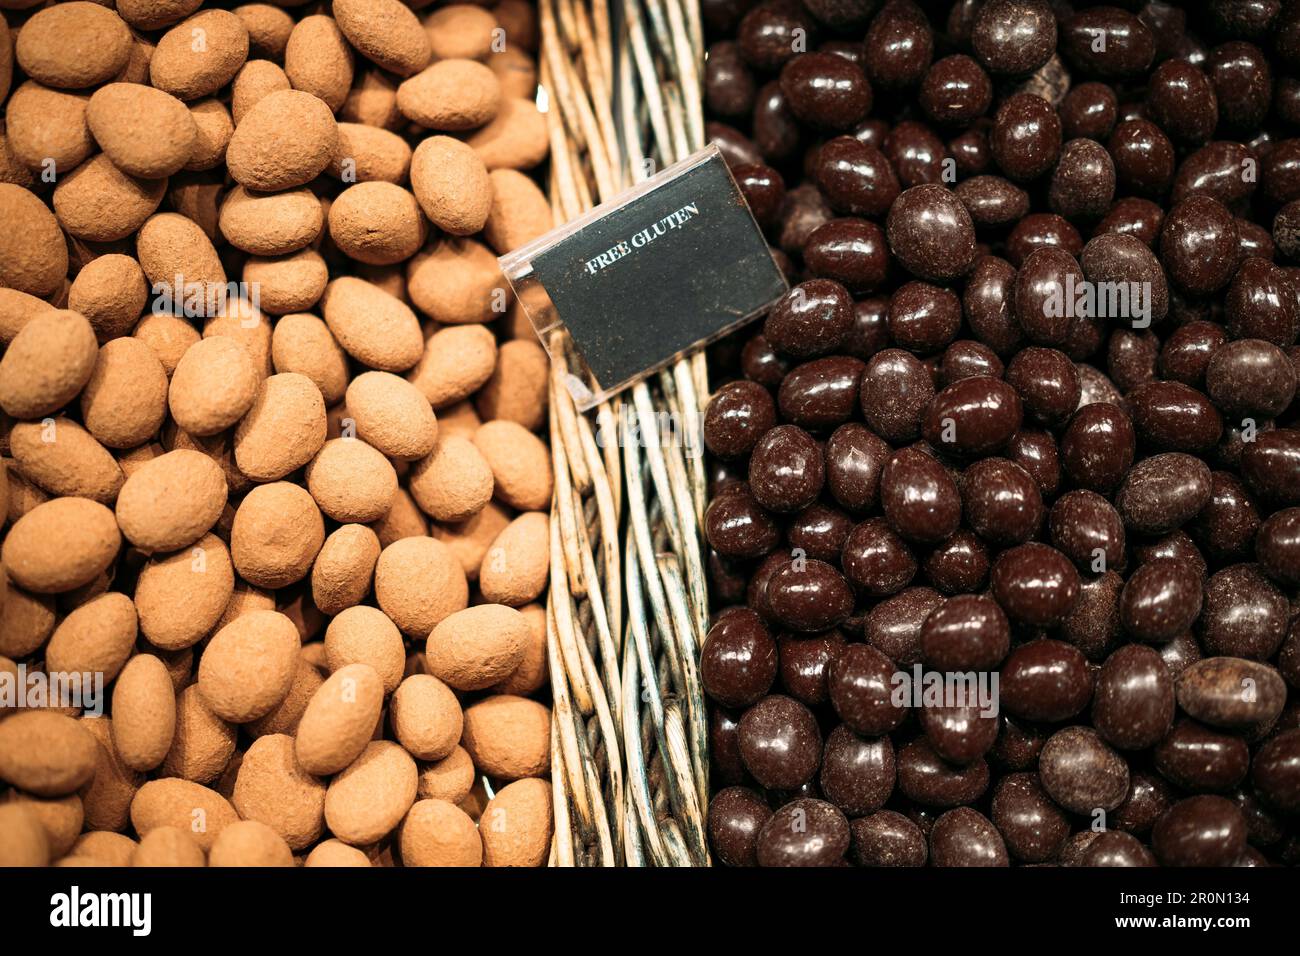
(860, 682)
(804, 833)
(780, 743)
(738, 659)
(1081, 772)
(931, 233)
(857, 773)
(1033, 826)
(965, 837)
(736, 816)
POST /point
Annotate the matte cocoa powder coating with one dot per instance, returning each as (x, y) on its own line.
(1081, 772)
(919, 497)
(780, 743)
(931, 233)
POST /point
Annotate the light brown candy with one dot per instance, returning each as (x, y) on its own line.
(385, 32)
(17, 309)
(276, 534)
(404, 520)
(255, 80)
(477, 647)
(520, 211)
(60, 545)
(437, 833)
(418, 582)
(155, 14)
(98, 202)
(268, 29)
(144, 131)
(200, 55)
(198, 810)
(60, 457)
(250, 843)
(111, 293)
(289, 283)
(125, 400)
(60, 817)
(508, 736)
(169, 847)
(515, 139)
(212, 387)
(450, 778)
(107, 799)
(302, 343)
(271, 224)
(426, 717)
(457, 281)
(518, 18)
(344, 568)
(469, 540)
(272, 788)
(372, 101)
(287, 139)
(47, 127)
(156, 515)
(283, 429)
(370, 154)
(168, 335)
(461, 31)
(530, 675)
(144, 713)
(451, 184)
(170, 247)
(516, 72)
(339, 719)
(451, 95)
(457, 362)
(517, 824)
(288, 714)
(351, 481)
(517, 563)
(181, 596)
(100, 849)
(96, 637)
(454, 482)
(392, 415)
(372, 326)
(368, 800)
(23, 841)
(333, 853)
(518, 388)
(248, 666)
(318, 60)
(203, 743)
(376, 223)
(213, 128)
(240, 320)
(46, 753)
(73, 45)
(47, 364)
(365, 635)
(520, 463)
